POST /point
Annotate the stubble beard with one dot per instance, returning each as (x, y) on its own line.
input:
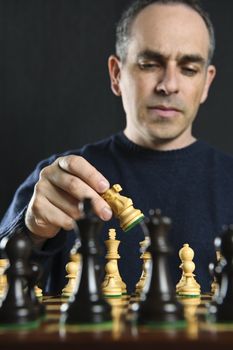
(160, 130)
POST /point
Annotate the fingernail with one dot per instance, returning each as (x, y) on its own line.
(106, 213)
(62, 163)
(103, 186)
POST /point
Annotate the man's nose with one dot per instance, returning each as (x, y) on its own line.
(168, 81)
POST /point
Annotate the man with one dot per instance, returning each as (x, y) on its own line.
(162, 71)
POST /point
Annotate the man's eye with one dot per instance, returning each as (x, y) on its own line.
(148, 66)
(189, 71)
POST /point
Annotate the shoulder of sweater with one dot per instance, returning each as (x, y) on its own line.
(98, 145)
(223, 157)
(223, 161)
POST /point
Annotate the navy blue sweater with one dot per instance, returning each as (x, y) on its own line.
(193, 186)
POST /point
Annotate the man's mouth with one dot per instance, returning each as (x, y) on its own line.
(164, 111)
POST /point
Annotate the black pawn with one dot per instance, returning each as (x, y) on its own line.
(88, 305)
(160, 304)
(17, 307)
(221, 310)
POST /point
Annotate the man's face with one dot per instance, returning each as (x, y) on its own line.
(165, 76)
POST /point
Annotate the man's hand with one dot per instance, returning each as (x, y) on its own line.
(57, 194)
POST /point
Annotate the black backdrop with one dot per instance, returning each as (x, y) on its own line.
(55, 91)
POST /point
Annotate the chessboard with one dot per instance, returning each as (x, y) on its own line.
(122, 333)
(91, 318)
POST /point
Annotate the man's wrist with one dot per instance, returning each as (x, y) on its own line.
(37, 241)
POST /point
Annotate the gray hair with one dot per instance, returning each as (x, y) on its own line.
(125, 23)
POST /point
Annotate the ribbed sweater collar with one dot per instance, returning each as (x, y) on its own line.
(131, 147)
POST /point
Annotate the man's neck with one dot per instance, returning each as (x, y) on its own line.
(160, 145)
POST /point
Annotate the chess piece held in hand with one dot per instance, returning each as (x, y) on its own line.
(122, 208)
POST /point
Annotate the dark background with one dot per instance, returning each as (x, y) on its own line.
(55, 91)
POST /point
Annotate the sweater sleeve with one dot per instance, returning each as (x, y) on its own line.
(14, 217)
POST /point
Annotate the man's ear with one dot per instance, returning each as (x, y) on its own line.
(114, 73)
(211, 72)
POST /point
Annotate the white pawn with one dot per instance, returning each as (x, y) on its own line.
(214, 284)
(38, 292)
(110, 286)
(72, 269)
(187, 253)
(3, 279)
(146, 256)
(187, 286)
(182, 280)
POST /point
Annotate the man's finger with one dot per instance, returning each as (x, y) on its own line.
(81, 168)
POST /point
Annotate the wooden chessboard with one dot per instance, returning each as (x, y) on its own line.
(122, 335)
